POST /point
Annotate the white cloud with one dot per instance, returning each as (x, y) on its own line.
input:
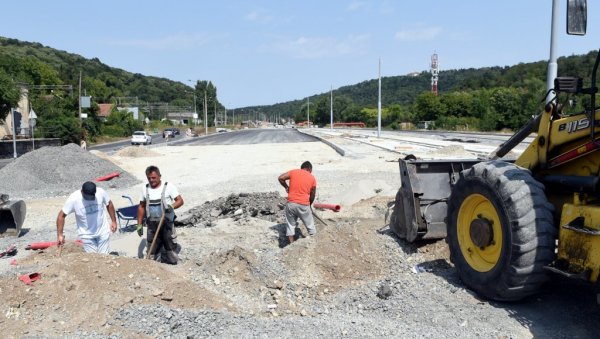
(418, 34)
(177, 42)
(259, 15)
(355, 5)
(322, 47)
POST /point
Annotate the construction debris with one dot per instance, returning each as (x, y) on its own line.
(237, 206)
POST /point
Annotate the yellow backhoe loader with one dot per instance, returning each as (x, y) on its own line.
(510, 225)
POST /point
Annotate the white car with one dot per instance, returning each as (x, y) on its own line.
(141, 137)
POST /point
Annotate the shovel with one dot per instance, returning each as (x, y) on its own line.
(151, 249)
(317, 217)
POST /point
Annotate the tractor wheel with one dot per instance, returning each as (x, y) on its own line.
(500, 230)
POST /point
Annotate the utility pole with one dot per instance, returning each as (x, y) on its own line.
(552, 63)
(195, 113)
(14, 127)
(379, 103)
(79, 98)
(308, 112)
(205, 115)
(331, 107)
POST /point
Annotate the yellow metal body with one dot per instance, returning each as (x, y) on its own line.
(481, 259)
(562, 147)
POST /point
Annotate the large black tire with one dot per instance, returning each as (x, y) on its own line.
(508, 264)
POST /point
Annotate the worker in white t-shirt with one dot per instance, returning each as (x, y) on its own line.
(93, 228)
(158, 201)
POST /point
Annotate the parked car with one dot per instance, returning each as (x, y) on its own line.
(171, 131)
(141, 137)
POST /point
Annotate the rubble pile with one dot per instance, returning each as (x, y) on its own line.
(58, 171)
(266, 206)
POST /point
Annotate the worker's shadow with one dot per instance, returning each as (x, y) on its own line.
(282, 238)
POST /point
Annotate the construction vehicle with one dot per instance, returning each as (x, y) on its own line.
(12, 215)
(510, 225)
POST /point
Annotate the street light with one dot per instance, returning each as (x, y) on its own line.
(205, 110)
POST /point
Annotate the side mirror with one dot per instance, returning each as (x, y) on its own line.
(576, 17)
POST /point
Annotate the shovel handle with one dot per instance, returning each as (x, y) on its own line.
(162, 219)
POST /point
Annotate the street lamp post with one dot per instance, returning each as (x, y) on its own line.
(14, 133)
(205, 115)
(195, 113)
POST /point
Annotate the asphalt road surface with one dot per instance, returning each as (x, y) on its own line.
(115, 146)
(252, 136)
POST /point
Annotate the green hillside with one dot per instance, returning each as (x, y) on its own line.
(484, 98)
(489, 98)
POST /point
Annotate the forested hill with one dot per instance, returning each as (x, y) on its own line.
(404, 89)
(464, 93)
(35, 64)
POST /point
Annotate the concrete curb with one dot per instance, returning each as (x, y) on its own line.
(337, 148)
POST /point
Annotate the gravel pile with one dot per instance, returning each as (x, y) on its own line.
(264, 206)
(57, 171)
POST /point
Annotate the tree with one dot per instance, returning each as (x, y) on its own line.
(427, 107)
(121, 123)
(9, 95)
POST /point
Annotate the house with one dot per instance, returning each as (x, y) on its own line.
(104, 111)
(21, 117)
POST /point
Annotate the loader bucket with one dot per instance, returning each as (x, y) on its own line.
(12, 215)
(421, 202)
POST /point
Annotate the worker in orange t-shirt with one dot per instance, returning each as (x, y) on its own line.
(301, 194)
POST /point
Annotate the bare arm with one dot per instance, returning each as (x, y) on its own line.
(141, 212)
(313, 192)
(113, 218)
(60, 224)
(282, 180)
(178, 202)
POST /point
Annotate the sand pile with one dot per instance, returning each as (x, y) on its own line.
(58, 171)
(451, 151)
(136, 152)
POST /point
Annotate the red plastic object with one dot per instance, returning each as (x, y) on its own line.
(27, 279)
(13, 262)
(46, 244)
(108, 176)
(333, 207)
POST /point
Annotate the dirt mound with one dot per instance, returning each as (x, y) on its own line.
(137, 152)
(264, 206)
(80, 290)
(58, 171)
(451, 151)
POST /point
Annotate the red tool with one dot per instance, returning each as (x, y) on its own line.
(108, 176)
(27, 279)
(9, 252)
(46, 244)
(333, 207)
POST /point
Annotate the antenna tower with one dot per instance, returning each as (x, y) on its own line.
(434, 74)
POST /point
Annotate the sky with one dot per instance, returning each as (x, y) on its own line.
(264, 52)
